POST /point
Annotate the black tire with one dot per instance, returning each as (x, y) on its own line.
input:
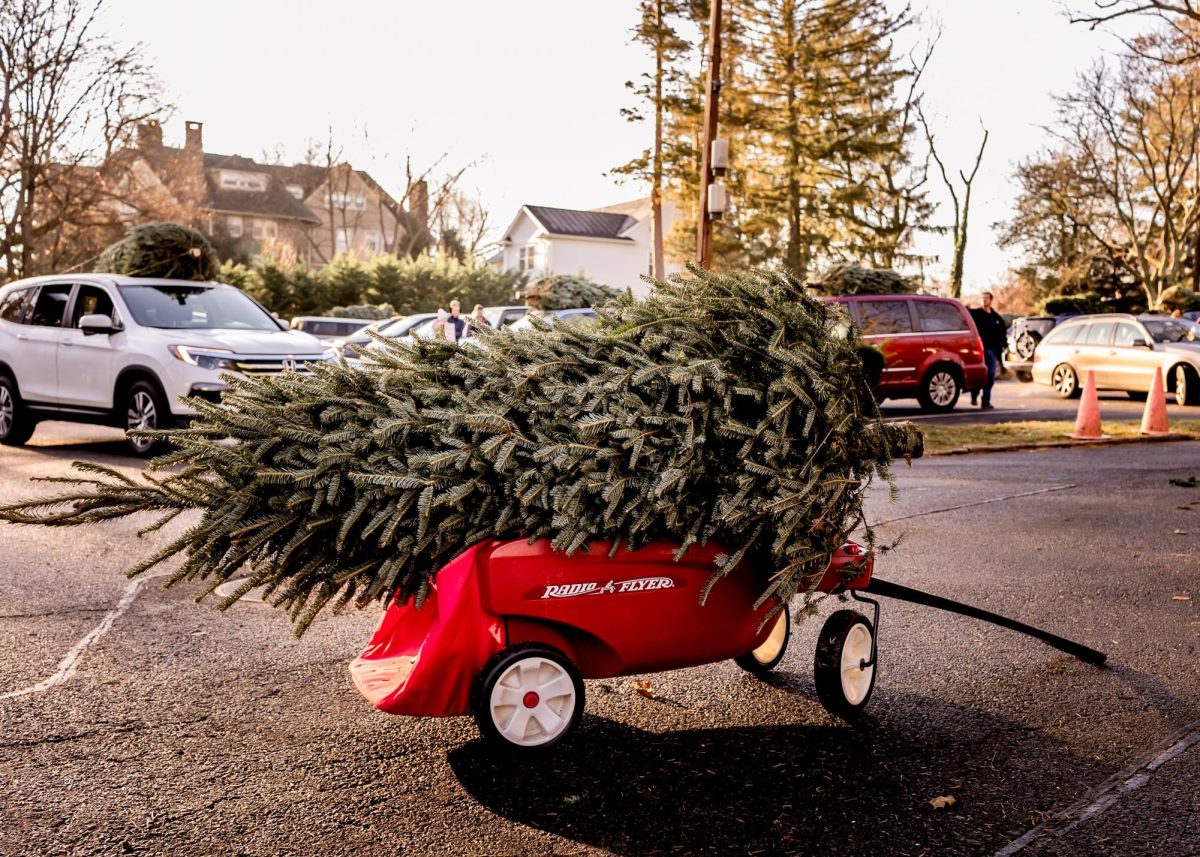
(1187, 385)
(1065, 381)
(555, 675)
(766, 657)
(143, 406)
(16, 423)
(843, 687)
(940, 389)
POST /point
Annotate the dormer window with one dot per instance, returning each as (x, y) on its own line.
(296, 191)
(236, 180)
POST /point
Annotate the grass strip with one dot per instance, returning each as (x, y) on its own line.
(942, 438)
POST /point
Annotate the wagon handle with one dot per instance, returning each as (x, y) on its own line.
(916, 596)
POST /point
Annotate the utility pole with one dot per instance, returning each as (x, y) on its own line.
(712, 94)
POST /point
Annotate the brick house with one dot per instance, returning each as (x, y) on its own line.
(317, 211)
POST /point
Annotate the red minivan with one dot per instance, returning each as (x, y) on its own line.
(930, 346)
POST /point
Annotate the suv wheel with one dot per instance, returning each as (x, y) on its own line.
(16, 426)
(939, 390)
(144, 408)
(1025, 345)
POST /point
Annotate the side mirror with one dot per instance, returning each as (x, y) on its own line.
(94, 323)
(1141, 343)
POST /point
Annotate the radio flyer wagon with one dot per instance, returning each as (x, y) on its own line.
(511, 628)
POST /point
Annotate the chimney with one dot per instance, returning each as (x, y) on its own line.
(418, 203)
(149, 135)
(194, 138)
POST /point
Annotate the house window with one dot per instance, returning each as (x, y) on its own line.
(527, 257)
(242, 181)
(296, 191)
(373, 241)
(233, 225)
(346, 201)
(261, 229)
(343, 241)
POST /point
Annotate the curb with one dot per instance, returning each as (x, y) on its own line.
(1061, 444)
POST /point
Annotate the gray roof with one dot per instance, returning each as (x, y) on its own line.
(586, 224)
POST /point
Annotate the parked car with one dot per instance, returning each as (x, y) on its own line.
(1027, 331)
(930, 346)
(393, 328)
(329, 329)
(124, 351)
(556, 316)
(1192, 315)
(1123, 351)
(497, 317)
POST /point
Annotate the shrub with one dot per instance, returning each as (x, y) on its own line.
(1084, 302)
(563, 291)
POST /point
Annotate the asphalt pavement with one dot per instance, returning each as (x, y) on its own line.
(135, 721)
(1015, 400)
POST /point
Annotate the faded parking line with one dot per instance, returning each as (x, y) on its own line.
(70, 663)
(975, 503)
(1110, 791)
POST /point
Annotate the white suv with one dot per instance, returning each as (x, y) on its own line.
(126, 351)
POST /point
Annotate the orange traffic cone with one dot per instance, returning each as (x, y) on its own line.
(1154, 418)
(1087, 423)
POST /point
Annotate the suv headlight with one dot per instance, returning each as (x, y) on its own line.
(205, 358)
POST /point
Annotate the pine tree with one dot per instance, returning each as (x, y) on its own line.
(720, 409)
(565, 291)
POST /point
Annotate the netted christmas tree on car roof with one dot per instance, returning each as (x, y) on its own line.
(720, 409)
(564, 291)
(162, 251)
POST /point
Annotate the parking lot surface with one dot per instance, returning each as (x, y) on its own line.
(184, 730)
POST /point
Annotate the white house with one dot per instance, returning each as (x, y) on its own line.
(609, 245)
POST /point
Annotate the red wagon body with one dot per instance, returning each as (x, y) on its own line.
(635, 612)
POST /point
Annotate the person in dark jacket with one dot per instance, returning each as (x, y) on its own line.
(992, 333)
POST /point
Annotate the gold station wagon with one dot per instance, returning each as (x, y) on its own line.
(1123, 351)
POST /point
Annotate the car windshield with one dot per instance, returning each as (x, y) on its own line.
(1172, 329)
(178, 307)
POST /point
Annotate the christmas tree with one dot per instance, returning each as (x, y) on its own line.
(161, 250)
(720, 409)
(564, 291)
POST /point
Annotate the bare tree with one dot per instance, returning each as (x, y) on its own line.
(68, 99)
(1181, 19)
(962, 207)
(1129, 140)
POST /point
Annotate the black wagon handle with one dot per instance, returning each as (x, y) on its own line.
(916, 596)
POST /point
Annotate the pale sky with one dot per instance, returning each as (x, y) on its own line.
(529, 91)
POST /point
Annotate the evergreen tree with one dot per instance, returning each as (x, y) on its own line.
(721, 408)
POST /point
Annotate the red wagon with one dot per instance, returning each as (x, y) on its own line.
(511, 628)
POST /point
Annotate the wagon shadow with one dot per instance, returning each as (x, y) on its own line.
(824, 788)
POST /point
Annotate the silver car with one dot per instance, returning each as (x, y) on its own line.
(1123, 351)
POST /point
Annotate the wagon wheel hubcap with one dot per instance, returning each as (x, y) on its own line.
(1025, 345)
(856, 679)
(775, 641)
(533, 701)
(142, 415)
(941, 388)
(1064, 380)
(6, 412)
(1181, 390)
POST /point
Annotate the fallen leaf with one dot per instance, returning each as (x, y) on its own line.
(1181, 532)
(943, 802)
(643, 688)
(1188, 482)
(1181, 598)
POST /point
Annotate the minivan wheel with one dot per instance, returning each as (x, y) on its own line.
(940, 390)
(16, 426)
(144, 409)
(1187, 386)
(1064, 381)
